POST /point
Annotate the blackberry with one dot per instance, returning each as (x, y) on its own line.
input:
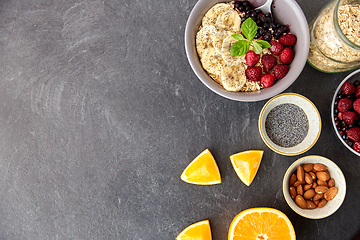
(267, 38)
(349, 142)
(284, 28)
(277, 35)
(246, 3)
(350, 96)
(237, 4)
(337, 123)
(356, 83)
(267, 19)
(266, 26)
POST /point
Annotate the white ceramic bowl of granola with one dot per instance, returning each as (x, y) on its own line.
(332, 205)
(313, 117)
(284, 12)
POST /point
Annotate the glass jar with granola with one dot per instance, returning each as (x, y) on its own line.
(335, 37)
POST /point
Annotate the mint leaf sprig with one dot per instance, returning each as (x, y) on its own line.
(242, 45)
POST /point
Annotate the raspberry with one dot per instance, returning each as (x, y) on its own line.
(345, 104)
(354, 134)
(280, 71)
(349, 117)
(356, 146)
(356, 105)
(267, 80)
(287, 55)
(288, 40)
(348, 88)
(357, 93)
(252, 58)
(276, 47)
(268, 61)
(253, 74)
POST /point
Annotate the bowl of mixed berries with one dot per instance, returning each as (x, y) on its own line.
(345, 112)
(244, 54)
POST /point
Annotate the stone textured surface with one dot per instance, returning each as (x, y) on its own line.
(100, 113)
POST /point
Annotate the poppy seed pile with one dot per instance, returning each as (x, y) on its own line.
(287, 125)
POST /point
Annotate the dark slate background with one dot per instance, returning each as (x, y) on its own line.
(100, 112)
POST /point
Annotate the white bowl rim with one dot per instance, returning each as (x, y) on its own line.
(244, 96)
(292, 203)
(333, 114)
(270, 145)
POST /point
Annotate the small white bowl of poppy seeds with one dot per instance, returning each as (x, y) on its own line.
(289, 124)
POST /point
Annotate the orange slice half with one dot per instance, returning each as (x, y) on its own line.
(261, 224)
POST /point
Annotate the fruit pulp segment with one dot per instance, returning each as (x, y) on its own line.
(201, 173)
(279, 230)
(262, 226)
(247, 165)
(203, 233)
(244, 170)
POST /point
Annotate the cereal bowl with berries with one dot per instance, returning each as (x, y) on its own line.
(314, 187)
(245, 54)
(345, 112)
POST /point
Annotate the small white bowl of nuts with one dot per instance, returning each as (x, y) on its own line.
(314, 187)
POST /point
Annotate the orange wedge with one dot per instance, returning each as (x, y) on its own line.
(246, 164)
(260, 224)
(203, 170)
(197, 231)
